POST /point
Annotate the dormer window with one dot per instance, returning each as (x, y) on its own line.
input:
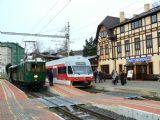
(153, 18)
(103, 34)
(122, 29)
(136, 24)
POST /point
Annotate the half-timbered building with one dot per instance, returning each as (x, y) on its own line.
(130, 44)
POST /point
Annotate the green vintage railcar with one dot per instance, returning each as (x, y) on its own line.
(31, 73)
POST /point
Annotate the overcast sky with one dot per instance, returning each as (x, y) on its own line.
(51, 16)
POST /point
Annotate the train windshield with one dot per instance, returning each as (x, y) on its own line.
(35, 67)
(82, 69)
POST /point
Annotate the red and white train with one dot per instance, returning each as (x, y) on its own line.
(72, 70)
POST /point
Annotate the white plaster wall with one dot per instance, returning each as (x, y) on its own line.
(5, 58)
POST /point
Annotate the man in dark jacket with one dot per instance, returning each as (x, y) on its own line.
(50, 77)
(95, 75)
(123, 77)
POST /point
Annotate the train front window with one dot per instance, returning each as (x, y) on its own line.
(35, 67)
(82, 69)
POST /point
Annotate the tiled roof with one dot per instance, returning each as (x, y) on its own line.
(142, 15)
(110, 21)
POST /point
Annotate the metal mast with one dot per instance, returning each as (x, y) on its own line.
(68, 38)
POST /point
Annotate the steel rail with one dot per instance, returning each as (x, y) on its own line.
(99, 115)
(71, 115)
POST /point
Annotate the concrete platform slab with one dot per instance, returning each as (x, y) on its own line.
(16, 106)
(146, 109)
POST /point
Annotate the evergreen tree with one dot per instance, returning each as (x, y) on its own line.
(71, 53)
(90, 48)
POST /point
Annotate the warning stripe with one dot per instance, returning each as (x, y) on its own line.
(20, 95)
(2, 95)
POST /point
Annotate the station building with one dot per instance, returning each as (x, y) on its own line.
(5, 58)
(130, 44)
(17, 52)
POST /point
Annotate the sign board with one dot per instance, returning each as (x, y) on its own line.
(130, 74)
(141, 59)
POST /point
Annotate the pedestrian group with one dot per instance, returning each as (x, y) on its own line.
(100, 77)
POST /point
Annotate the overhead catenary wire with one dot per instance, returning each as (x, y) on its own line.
(83, 37)
(46, 25)
(90, 24)
(46, 14)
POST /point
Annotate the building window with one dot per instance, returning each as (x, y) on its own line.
(101, 50)
(148, 41)
(106, 49)
(137, 44)
(119, 49)
(122, 29)
(158, 39)
(105, 68)
(103, 34)
(127, 46)
(153, 18)
(136, 24)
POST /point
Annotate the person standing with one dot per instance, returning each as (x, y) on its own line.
(100, 74)
(50, 77)
(115, 77)
(123, 78)
(95, 75)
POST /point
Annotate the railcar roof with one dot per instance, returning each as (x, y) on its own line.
(13, 66)
(68, 59)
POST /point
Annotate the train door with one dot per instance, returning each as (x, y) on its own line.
(54, 73)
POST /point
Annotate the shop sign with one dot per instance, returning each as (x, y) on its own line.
(141, 59)
(130, 74)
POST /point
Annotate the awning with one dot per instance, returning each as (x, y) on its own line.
(129, 65)
(141, 63)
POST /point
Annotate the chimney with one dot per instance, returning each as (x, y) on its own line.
(146, 7)
(134, 15)
(122, 17)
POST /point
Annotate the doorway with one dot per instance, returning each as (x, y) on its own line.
(141, 72)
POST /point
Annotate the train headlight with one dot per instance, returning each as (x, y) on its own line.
(35, 76)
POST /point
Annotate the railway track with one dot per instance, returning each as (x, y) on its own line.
(66, 108)
(75, 111)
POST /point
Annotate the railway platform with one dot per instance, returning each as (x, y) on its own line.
(14, 105)
(145, 88)
(138, 109)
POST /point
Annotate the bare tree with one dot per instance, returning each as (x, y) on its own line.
(63, 49)
(38, 46)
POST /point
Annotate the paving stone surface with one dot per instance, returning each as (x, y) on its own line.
(103, 99)
(14, 105)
